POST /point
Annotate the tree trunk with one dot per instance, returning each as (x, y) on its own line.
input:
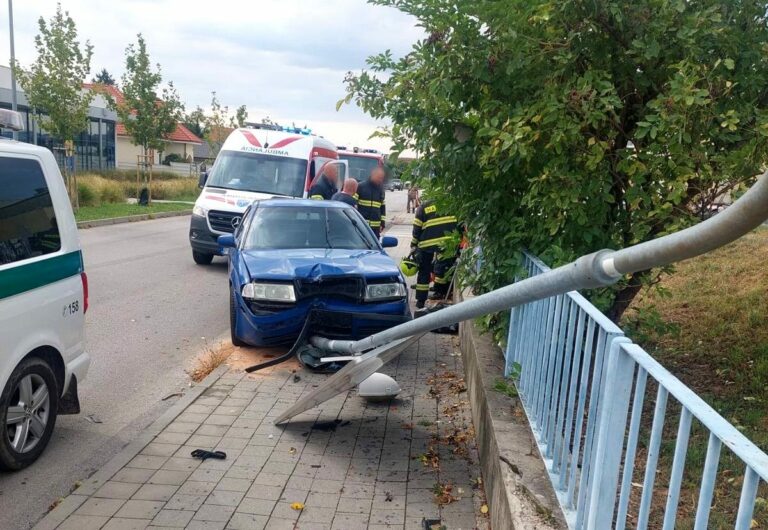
(626, 295)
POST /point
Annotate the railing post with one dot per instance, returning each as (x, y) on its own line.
(611, 427)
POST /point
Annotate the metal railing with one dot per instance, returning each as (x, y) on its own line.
(576, 375)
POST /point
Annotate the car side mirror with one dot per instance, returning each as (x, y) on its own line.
(227, 241)
(202, 180)
(389, 241)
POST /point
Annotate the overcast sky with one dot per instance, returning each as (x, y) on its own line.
(282, 58)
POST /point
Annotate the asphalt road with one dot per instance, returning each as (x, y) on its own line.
(151, 311)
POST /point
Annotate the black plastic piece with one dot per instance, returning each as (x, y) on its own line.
(70, 402)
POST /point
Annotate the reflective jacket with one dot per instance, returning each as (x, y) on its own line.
(322, 189)
(431, 229)
(370, 203)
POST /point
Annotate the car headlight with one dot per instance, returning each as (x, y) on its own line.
(199, 210)
(275, 292)
(384, 291)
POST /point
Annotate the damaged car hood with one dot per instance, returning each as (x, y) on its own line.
(313, 264)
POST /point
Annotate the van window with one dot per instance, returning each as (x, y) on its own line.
(278, 175)
(27, 220)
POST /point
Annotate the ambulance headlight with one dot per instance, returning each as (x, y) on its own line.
(274, 292)
(199, 210)
(384, 291)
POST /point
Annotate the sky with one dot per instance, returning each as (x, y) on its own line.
(285, 59)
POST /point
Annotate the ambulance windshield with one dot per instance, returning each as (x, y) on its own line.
(260, 173)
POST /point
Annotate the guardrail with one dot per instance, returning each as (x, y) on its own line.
(576, 374)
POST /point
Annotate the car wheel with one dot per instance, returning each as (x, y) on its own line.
(201, 258)
(28, 407)
(233, 319)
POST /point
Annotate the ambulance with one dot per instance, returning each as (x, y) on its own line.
(361, 161)
(252, 165)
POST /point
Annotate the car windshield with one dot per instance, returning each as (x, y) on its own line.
(307, 227)
(360, 167)
(255, 172)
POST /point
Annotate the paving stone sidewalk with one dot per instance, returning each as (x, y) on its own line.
(353, 464)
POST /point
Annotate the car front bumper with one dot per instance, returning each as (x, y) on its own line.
(202, 238)
(332, 319)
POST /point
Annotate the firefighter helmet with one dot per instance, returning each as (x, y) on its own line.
(408, 266)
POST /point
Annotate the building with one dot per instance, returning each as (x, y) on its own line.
(181, 141)
(95, 147)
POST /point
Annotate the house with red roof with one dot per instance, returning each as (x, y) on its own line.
(181, 141)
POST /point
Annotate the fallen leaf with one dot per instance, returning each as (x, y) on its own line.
(484, 509)
(292, 451)
(297, 506)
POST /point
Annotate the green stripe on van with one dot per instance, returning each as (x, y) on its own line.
(23, 278)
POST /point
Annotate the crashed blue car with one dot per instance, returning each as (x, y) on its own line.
(291, 261)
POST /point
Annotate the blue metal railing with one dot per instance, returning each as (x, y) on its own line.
(580, 380)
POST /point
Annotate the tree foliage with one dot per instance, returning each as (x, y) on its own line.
(567, 127)
(53, 84)
(150, 113)
(104, 78)
(218, 123)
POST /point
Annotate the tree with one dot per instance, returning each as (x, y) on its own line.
(216, 129)
(195, 121)
(241, 114)
(104, 78)
(567, 127)
(53, 84)
(148, 112)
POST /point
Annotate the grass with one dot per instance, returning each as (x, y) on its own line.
(708, 325)
(95, 190)
(208, 361)
(110, 211)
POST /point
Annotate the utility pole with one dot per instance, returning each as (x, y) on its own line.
(14, 101)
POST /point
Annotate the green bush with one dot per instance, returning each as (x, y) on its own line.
(172, 157)
(87, 194)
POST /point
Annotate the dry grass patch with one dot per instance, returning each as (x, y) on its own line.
(209, 360)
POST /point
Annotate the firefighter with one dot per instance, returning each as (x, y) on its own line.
(324, 185)
(370, 200)
(431, 231)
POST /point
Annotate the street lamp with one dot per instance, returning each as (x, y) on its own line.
(14, 102)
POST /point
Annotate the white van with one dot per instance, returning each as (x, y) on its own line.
(43, 300)
(254, 164)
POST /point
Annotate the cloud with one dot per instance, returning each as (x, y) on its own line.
(282, 58)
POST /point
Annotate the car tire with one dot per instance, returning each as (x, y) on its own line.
(201, 258)
(233, 319)
(26, 425)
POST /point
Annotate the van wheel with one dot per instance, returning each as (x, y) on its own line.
(201, 258)
(28, 407)
(233, 318)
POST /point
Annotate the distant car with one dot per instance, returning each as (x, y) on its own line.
(290, 257)
(43, 300)
(395, 184)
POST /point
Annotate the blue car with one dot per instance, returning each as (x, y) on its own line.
(293, 260)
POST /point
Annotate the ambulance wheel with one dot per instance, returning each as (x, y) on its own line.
(201, 258)
(28, 407)
(233, 319)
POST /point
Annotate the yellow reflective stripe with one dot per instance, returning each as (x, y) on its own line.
(356, 196)
(418, 222)
(383, 217)
(433, 242)
(316, 197)
(414, 242)
(372, 204)
(422, 287)
(374, 224)
(440, 279)
(440, 221)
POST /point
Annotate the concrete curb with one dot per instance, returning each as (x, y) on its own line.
(131, 219)
(516, 480)
(72, 502)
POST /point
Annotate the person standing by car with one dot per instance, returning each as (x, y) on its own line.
(348, 193)
(413, 198)
(370, 200)
(432, 230)
(324, 185)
